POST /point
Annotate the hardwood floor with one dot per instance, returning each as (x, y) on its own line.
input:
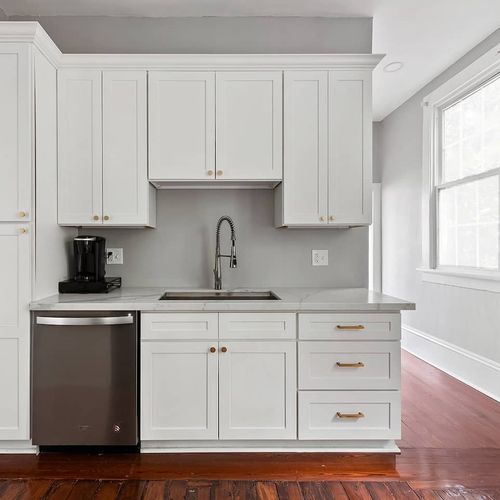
(450, 449)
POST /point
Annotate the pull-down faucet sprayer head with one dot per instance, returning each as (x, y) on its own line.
(232, 260)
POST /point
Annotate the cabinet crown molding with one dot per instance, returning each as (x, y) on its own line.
(32, 32)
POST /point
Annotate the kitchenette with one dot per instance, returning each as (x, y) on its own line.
(184, 253)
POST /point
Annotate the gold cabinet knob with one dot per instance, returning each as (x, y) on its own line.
(23, 214)
(96, 217)
(210, 172)
(332, 218)
(23, 230)
(223, 349)
(213, 349)
(220, 173)
(106, 217)
(322, 218)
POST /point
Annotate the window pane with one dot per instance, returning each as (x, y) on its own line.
(471, 134)
(468, 227)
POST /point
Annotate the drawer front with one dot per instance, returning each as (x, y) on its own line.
(262, 326)
(349, 365)
(179, 326)
(350, 326)
(349, 415)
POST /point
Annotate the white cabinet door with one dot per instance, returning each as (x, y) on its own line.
(350, 133)
(15, 132)
(80, 147)
(305, 186)
(178, 390)
(249, 125)
(15, 295)
(257, 390)
(181, 125)
(125, 171)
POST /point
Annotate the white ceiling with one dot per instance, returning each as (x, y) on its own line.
(426, 35)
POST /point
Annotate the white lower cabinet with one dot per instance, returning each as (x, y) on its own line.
(179, 390)
(257, 390)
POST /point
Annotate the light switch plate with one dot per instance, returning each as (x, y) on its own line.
(114, 255)
(320, 257)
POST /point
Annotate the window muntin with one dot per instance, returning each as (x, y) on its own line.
(468, 200)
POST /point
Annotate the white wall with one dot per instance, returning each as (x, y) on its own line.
(467, 319)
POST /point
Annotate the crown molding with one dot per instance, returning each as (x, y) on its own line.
(30, 32)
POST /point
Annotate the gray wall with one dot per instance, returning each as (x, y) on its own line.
(377, 151)
(80, 34)
(180, 251)
(467, 318)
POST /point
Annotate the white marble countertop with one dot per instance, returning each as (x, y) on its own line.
(292, 299)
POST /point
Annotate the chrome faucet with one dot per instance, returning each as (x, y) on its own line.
(232, 257)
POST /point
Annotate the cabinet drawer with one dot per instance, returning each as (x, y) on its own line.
(349, 415)
(178, 326)
(262, 326)
(350, 326)
(349, 365)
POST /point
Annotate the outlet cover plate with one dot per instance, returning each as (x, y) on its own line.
(114, 255)
(320, 257)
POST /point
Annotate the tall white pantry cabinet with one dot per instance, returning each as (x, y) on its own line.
(27, 211)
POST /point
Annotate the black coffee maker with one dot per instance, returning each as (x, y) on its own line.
(89, 267)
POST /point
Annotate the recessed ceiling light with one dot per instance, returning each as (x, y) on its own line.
(393, 67)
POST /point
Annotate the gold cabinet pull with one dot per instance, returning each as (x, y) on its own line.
(23, 230)
(359, 364)
(23, 214)
(213, 349)
(220, 173)
(350, 415)
(332, 218)
(96, 217)
(223, 349)
(210, 172)
(350, 327)
(322, 218)
(106, 217)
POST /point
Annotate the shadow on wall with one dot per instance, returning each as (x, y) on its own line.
(180, 252)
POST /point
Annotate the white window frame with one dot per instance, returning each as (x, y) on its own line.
(472, 77)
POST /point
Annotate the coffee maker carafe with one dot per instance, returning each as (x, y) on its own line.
(89, 258)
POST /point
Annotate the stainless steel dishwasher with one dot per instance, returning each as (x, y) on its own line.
(84, 378)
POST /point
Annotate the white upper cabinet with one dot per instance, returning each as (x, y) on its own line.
(80, 147)
(15, 132)
(327, 149)
(249, 125)
(305, 186)
(126, 190)
(350, 131)
(181, 125)
(103, 149)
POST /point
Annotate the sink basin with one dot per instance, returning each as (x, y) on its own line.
(219, 295)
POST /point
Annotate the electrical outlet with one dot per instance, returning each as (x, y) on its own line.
(114, 255)
(320, 257)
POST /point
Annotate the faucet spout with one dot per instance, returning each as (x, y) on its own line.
(218, 255)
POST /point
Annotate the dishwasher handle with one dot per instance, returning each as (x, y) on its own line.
(89, 321)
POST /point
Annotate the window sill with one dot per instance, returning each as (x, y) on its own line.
(489, 282)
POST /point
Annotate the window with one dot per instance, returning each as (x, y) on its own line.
(462, 177)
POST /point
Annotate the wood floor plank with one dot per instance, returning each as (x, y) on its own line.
(428, 495)
(60, 490)
(15, 490)
(108, 490)
(402, 490)
(84, 489)
(337, 490)
(244, 490)
(37, 488)
(154, 490)
(176, 490)
(315, 490)
(289, 490)
(266, 490)
(131, 490)
(223, 490)
(356, 490)
(379, 491)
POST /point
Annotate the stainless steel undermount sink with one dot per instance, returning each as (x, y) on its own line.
(219, 295)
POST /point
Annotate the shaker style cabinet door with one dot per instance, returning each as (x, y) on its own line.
(15, 132)
(80, 147)
(181, 125)
(350, 136)
(249, 125)
(15, 295)
(305, 186)
(178, 390)
(257, 390)
(125, 171)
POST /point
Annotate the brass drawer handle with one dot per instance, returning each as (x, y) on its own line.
(359, 364)
(95, 217)
(223, 349)
(210, 172)
(350, 327)
(350, 415)
(213, 349)
(23, 214)
(106, 217)
(220, 173)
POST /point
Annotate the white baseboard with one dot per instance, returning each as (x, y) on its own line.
(472, 369)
